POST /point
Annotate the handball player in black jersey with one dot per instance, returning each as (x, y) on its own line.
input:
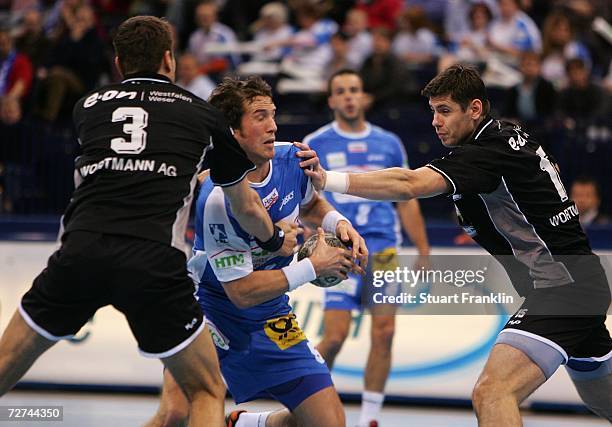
(510, 199)
(142, 142)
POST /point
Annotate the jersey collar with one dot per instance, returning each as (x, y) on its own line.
(352, 135)
(265, 181)
(146, 78)
(482, 126)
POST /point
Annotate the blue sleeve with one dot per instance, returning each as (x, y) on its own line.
(400, 158)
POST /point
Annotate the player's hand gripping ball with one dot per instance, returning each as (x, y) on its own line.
(306, 250)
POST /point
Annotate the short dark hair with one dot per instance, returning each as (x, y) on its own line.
(575, 63)
(462, 83)
(341, 72)
(588, 180)
(233, 92)
(140, 44)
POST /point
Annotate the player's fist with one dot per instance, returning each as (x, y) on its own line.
(350, 237)
(292, 231)
(329, 260)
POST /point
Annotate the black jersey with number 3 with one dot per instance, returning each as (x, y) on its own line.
(142, 142)
(510, 199)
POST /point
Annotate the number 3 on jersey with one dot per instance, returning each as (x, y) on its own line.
(138, 137)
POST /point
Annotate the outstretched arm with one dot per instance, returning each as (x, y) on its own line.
(393, 184)
(384, 184)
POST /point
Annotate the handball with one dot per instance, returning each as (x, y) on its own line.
(306, 250)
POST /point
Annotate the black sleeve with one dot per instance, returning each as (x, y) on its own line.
(469, 169)
(228, 162)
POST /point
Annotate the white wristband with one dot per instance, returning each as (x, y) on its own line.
(299, 273)
(330, 221)
(336, 182)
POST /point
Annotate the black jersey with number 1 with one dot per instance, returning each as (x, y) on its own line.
(143, 142)
(510, 199)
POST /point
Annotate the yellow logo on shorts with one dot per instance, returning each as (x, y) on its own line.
(385, 260)
(284, 331)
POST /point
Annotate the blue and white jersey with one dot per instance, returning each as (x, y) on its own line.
(372, 149)
(519, 33)
(224, 252)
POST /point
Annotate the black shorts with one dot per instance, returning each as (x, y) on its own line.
(228, 163)
(147, 281)
(572, 317)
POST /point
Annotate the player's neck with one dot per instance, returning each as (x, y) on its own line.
(260, 173)
(351, 126)
(477, 124)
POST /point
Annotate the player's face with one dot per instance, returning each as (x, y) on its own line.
(257, 131)
(585, 197)
(451, 123)
(346, 98)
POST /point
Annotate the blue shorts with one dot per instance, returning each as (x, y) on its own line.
(354, 293)
(276, 364)
(294, 392)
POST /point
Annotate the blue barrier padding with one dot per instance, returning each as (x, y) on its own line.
(440, 233)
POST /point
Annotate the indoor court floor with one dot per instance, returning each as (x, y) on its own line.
(121, 410)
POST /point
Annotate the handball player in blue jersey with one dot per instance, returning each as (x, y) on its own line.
(242, 288)
(352, 144)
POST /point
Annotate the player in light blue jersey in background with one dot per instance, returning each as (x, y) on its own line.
(350, 143)
(242, 288)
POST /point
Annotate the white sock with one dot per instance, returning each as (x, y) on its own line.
(371, 404)
(253, 419)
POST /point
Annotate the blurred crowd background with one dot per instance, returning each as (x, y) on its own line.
(546, 64)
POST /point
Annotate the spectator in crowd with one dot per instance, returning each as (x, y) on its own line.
(415, 43)
(15, 79)
(360, 40)
(384, 75)
(76, 63)
(587, 16)
(240, 14)
(434, 9)
(211, 31)
(381, 13)
(457, 19)
(340, 59)
(310, 48)
(607, 81)
(582, 99)
(514, 32)
(472, 44)
(271, 27)
(560, 44)
(534, 98)
(32, 40)
(61, 18)
(189, 77)
(586, 193)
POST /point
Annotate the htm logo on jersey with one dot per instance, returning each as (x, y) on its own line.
(218, 232)
(270, 199)
(191, 324)
(286, 200)
(228, 261)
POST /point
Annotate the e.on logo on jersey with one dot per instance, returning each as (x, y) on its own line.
(517, 143)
